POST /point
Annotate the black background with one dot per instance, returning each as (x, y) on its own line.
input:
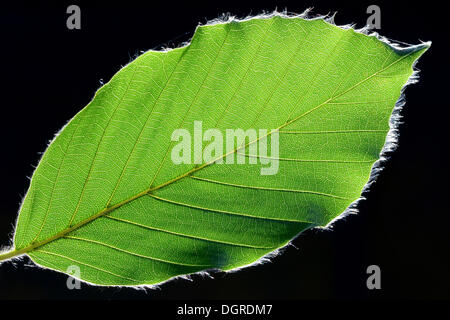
(48, 73)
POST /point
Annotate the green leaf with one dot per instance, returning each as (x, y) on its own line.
(108, 197)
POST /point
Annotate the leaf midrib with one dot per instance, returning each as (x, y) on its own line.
(149, 190)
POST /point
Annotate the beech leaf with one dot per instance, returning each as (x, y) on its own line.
(142, 185)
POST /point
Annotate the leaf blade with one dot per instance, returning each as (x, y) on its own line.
(120, 180)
